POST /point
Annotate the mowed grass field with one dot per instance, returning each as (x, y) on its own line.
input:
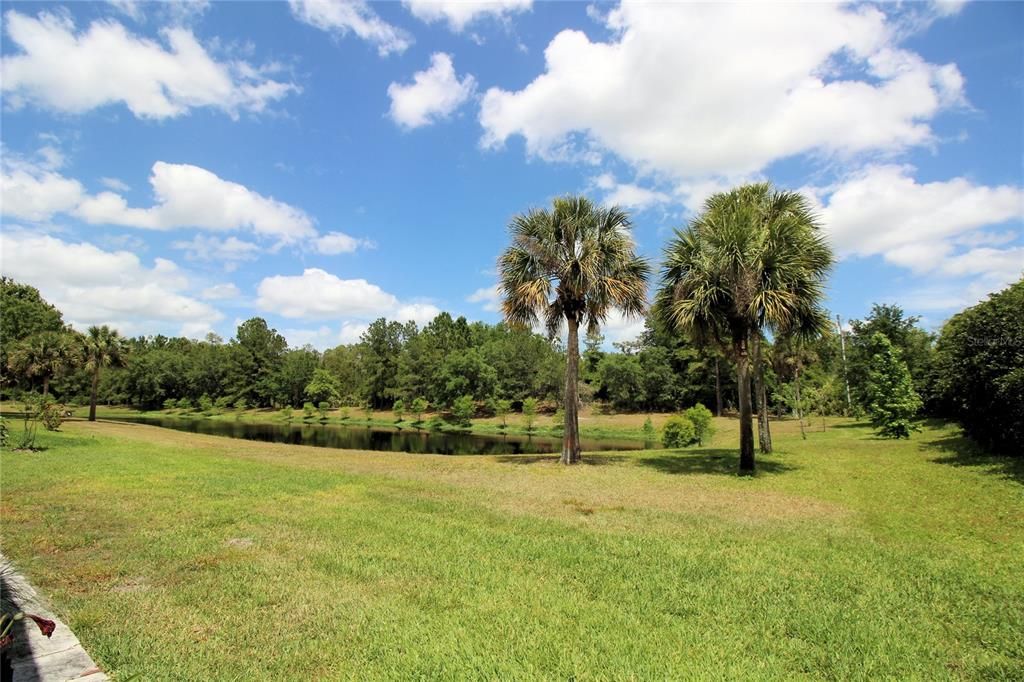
(176, 556)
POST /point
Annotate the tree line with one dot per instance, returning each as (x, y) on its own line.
(737, 321)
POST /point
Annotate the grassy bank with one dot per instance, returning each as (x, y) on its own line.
(191, 557)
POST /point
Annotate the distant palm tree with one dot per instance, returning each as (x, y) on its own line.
(44, 355)
(754, 260)
(101, 347)
(574, 263)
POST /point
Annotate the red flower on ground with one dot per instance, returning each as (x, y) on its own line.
(46, 626)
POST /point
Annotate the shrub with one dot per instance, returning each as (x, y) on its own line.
(170, 404)
(463, 409)
(529, 412)
(648, 429)
(892, 400)
(700, 417)
(322, 407)
(286, 412)
(222, 403)
(205, 404)
(678, 432)
(435, 423)
(501, 409)
(343, 413)
(399, 409)
(558, 419)
(308, 409)
(5, 434)
(419, 406)
(52, 415)
(184, 404)
(241, 404)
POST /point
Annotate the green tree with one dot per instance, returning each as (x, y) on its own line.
(255, 357)
(755, 259)
(44, 356)
(701, 418)
(916, 347)
(892, 400)
(979, 370)
(530, 412)
(573, 264)
(101, 347)
(501, 409)
(462, 410)
(323, 387)
(23, 313)
(399, 409)
(419, 406)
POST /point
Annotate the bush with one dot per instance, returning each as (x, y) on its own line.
(558, 419)
(5, 434)
(322, 407)
(222, 403)
(241, 404)
(52, 415)
(648, 429)
(399, 409)
(700, 417)
(184, 404)
(286, 412)
(462, 410)
(979, 371)
(206, 404)
(170, 404)
(529, 412)
(435, 423)
(892, 400)
(419, 406)
(678, 432)
(308, 409)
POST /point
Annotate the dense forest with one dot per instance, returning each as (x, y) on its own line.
(975, 361)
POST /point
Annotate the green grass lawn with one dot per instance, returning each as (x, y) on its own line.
(177, 556)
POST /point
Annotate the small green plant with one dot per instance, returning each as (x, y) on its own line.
(892, 400)
(206, 405)
(286, 412)
(5, 434)
(184, 404)
(322, 407)
(501, 410)
(399, 409)
(435, 423)
(29, 425)
(51, 415)
(419, 406)
(701, 417)
(343, 413)
(529, 412)
(308, 410)
(222, 403)
(678, 432)
(170, 404)
(241, 404)
(462, 410)
(648, 430)
(558, 419)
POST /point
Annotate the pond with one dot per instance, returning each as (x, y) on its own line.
(378, 438)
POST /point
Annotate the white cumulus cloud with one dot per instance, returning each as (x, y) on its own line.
(58, 68)
(352, 16)
(93, 286)
(317, 294)
(335, 243)
(460, 13)
(705, 89)
(434, 94)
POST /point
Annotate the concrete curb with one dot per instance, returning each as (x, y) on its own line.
(35, 658)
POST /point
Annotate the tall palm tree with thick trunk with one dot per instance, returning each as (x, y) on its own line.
(101, 347)
(572, 264)
(754, 260)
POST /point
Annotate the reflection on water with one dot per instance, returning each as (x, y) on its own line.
(354, 437)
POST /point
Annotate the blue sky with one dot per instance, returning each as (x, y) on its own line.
(179, 167)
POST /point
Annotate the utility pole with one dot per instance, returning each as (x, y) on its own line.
(846, 378)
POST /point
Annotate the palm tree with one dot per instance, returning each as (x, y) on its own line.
(754, 260)
(574, 263)
(101, 347)
(44, 355)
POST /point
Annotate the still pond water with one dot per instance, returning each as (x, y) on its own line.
(377, 438)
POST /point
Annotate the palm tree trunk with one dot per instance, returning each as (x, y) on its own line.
(92, 399)
(799, 404)
(571, 439)
(764, 435)
(718, 391)
(746, 409)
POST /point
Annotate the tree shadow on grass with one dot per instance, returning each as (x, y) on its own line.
(719, 461)
(587, 460)
(960, 451)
